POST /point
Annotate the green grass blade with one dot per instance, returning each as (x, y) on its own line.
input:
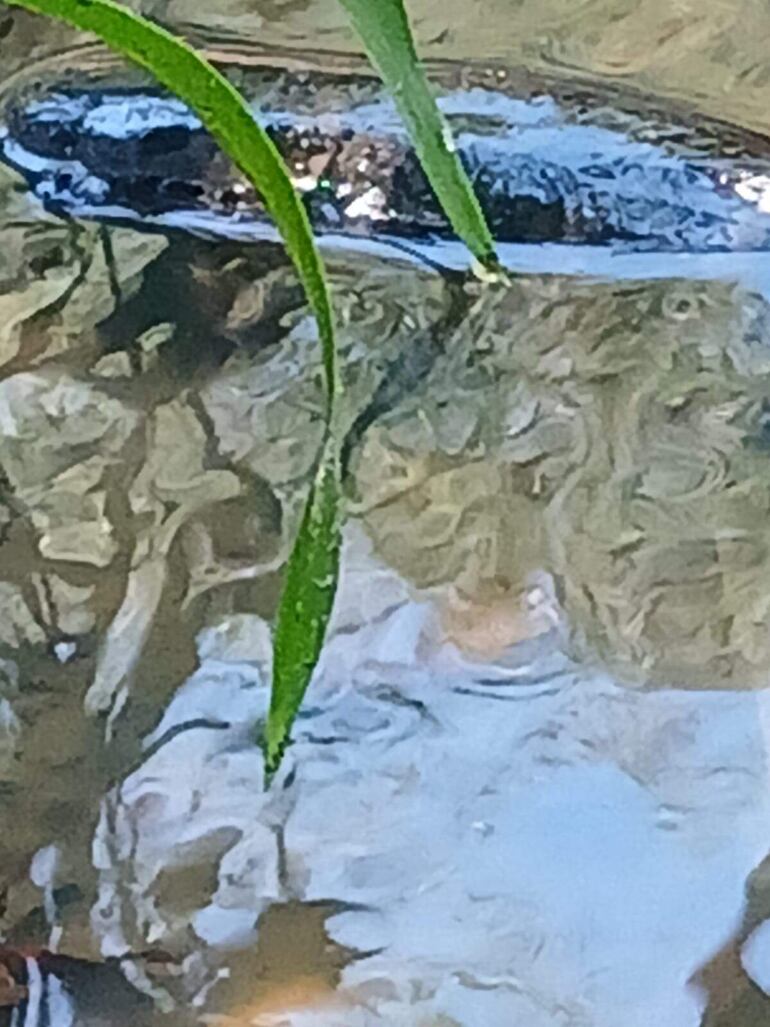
(383, 26)
(306, 604)
(312, 571)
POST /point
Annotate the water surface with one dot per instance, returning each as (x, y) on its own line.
(529, 784)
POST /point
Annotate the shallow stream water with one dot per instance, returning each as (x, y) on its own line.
(530, 782)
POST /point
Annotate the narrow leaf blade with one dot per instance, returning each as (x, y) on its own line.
(306, 603)
(384, 28)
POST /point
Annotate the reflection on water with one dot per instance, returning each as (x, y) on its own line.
(529, 785)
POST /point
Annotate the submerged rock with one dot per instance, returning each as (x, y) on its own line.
(60, 439)
(612, 437)
(503, 839)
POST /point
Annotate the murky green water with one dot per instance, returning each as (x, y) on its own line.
(530, 782)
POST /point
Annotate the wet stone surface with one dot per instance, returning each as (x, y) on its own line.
(551, 160)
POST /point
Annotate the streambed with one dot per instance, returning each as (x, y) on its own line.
(529, 783)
